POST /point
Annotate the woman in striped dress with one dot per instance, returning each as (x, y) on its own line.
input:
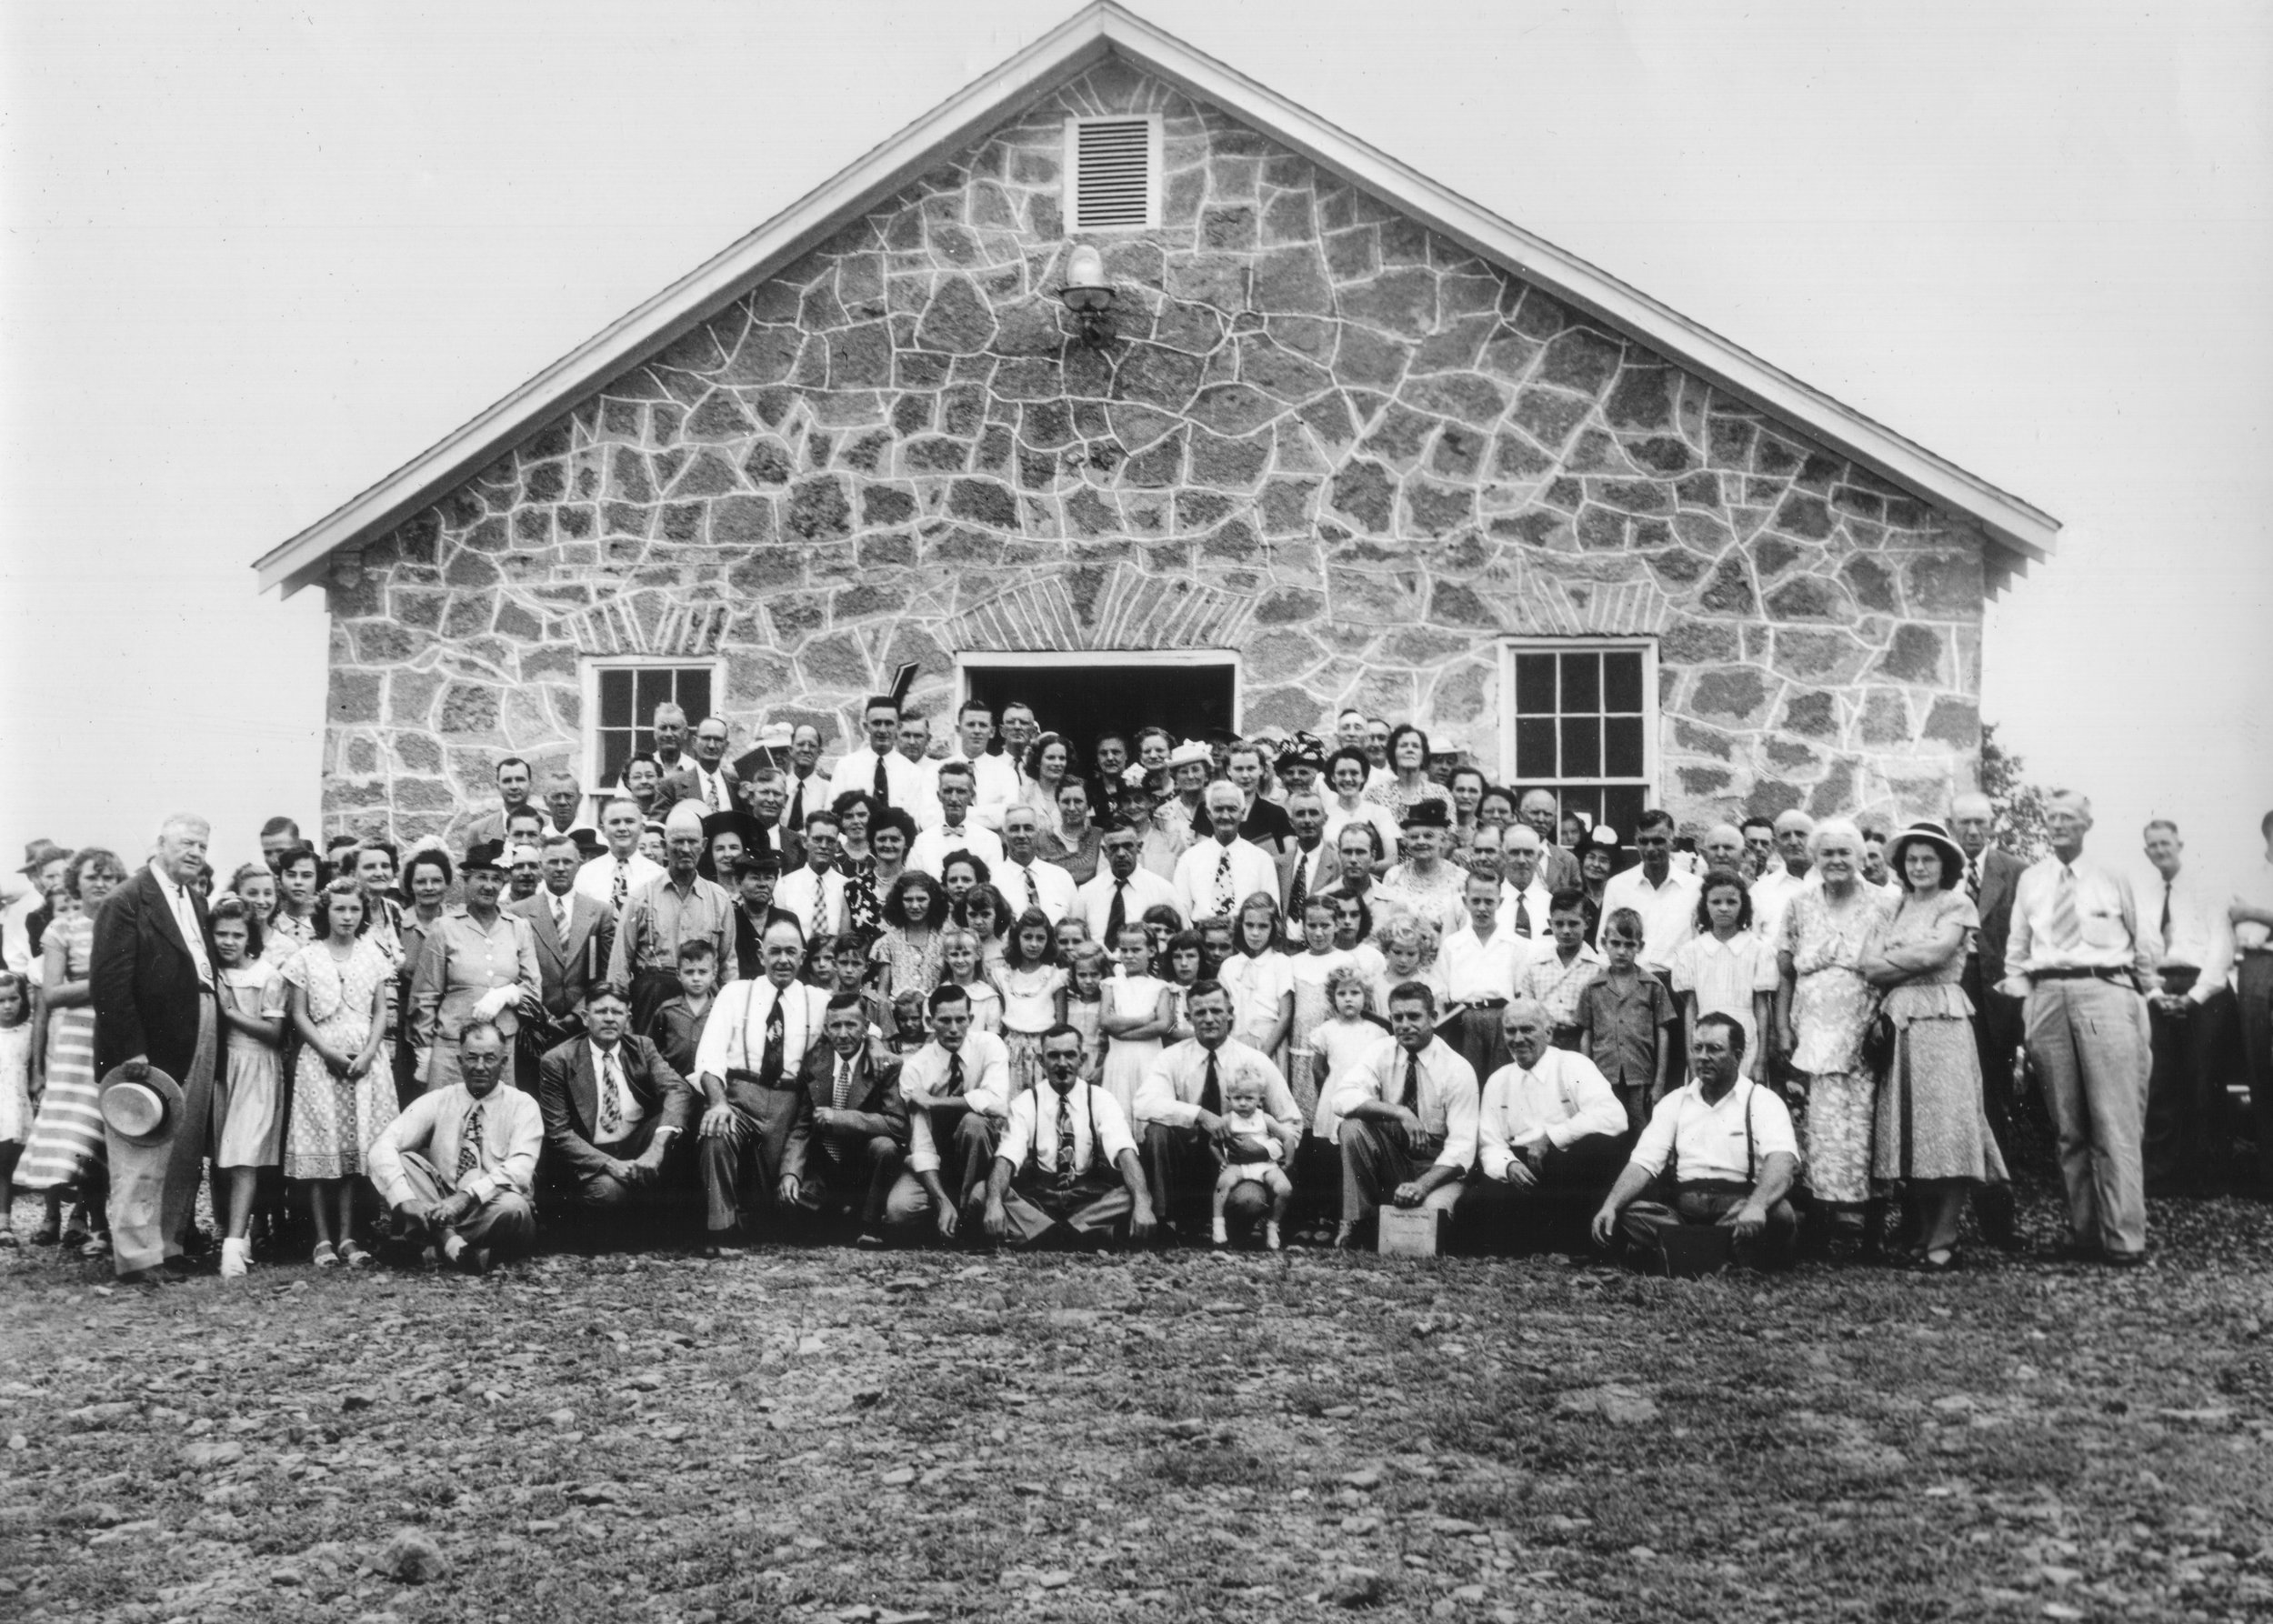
(66, 1150)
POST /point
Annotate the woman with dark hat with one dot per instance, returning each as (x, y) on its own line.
(1933, 1135)
(477, 962)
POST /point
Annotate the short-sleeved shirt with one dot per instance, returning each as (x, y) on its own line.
(1557, 985)
(1623, 1023)
(1729, 1142)
(1725, 976)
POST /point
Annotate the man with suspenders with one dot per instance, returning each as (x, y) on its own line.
(1066, 1170)
(1727, 1148)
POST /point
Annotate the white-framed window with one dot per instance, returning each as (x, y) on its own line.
(1086, 692)
(1112, 173)
(1579, 716)
(620, 694)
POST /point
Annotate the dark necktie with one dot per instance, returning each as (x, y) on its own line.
(623, 883)
(469, 1140)
(794, 819)
(1973, 880)
(1299, 892)
(2166, 888)
(777, 1043)
(1410, 1098)
(955, 1072)
(1066, 1167)
(1117, 915)
(884, 784)
(1523, 917)
(1211, 1088)
(1224, 899)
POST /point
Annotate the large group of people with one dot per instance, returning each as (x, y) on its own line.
(1023, 991)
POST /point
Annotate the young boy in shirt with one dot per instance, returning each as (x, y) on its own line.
(676, 1027)
(1623, 1017)
(1556, 979)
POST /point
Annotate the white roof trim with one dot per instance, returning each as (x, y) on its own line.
(2023, 532)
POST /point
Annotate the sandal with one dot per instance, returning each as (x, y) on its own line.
(324, 1256)
(75, 1237)
(353, 1256)
(1930, 1263)
(7, 1237)
(98, 1246)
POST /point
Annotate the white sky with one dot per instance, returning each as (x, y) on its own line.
(257, 255)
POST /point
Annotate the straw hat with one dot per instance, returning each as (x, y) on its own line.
(140, 1112)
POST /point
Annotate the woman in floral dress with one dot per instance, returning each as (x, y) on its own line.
(1824, 1007)
(341, 1096)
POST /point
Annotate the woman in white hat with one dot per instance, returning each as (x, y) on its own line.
(1933, 1135)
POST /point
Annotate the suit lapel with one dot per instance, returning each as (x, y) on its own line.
(170, 928)
(588, 1086)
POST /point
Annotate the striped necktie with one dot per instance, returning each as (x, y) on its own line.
(611, 1111)
(469, 1139)
(2065, 929)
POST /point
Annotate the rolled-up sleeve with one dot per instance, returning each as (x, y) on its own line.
(413, 1126)
(713, 1053)
(1156, 1098)
(1595, 1107)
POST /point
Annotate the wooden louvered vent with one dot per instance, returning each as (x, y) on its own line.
(1113, 174)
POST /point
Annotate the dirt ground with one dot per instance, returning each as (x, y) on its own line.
(825, 1434)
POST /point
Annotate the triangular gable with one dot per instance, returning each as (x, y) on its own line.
(2019, 532)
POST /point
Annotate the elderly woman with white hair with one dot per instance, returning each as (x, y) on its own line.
(1824, 1007)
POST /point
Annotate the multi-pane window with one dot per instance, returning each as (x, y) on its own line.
(623, 705)
(1582, 717)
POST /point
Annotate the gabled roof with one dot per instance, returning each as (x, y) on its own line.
(2019, 532)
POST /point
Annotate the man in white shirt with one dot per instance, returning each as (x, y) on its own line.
(1727, 1147)
(459, 1165)
(1311, 865)
(1223, 870)
(1661, 894)
(1024, 879)
(2081, 958)
(1791, 874)
(875, 769)
(1066, 1170)
(804, 790)
(1123, 889)
(613, 1113)
(610, 878)
(705, 776)
(748, 1066)
(995, 778)
(814, 893)
(957, 1090)
(1548, 1139)
(2189, 1022)
(1180, 1121)
(954, 827)
(1408, 1119)
(1481, 961)
(914, 744)
(1525, 899)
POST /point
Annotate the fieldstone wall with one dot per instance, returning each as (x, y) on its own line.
(1323, 436)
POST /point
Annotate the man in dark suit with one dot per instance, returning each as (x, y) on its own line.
(616, 1118)
(151, 986)
(858, 1135)
(1309, 866)
(708, 776)
(574, 935)
(1991, 876)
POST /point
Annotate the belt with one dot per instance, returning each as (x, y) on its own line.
(757, 1079)
(2095, 973)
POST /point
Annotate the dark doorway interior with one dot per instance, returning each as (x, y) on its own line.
(1085, 700)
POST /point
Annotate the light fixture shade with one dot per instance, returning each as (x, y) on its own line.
(1084, 267)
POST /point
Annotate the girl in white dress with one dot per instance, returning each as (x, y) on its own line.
(1309, 970)
(1261, 978)
(1727, 968)
(248, 1105)
(959, 962)
(1342, 1043)
(1139, 1010)
(1083, 1003)
(1181, 960)
(1033, 996)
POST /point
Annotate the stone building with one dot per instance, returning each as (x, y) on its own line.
(1352, 440)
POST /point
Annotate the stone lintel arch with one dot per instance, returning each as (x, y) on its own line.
(1094, 607)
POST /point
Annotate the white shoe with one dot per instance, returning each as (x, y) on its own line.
(236, 1259)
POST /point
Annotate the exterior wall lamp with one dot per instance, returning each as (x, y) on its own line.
(1089, 296)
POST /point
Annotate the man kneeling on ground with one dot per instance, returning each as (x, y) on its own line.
(459, 1165)
(1066, 1170)
(1548, 1139)
(1725, 1148)
(1408, 1119)
(614, 1112)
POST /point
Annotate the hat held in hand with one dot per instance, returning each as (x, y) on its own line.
(141, 1111)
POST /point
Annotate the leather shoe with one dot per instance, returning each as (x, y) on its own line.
(474, 1260)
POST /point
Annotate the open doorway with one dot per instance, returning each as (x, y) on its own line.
(1082, 695)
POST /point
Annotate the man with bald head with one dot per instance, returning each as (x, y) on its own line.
(1549, 1140)
(1722, 847)
(2083, 957)
(1557, 868)
(1991, 873)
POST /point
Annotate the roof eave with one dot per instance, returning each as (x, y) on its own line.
(2020, 533)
